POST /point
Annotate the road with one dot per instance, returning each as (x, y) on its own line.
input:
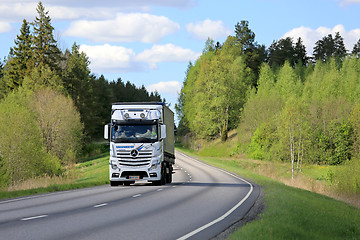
(201, 202)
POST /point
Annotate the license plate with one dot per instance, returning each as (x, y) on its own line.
(134, 177)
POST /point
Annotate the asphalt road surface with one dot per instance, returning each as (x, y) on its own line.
(201, 203)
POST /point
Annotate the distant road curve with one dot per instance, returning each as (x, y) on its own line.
(201, 203)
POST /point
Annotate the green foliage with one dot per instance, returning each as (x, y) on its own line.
(59, 123)
(21, 150)
(19, 60)
(329, 47)
(347, 178)
(341, 142)
(45, 50)
(214, 92)
(315, 120)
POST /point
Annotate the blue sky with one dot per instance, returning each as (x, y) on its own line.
(150, 42)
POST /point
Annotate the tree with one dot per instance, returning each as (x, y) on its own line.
(281, 51)
(209, 46)
(356, 49)
(324, 48)
(76, 81)
(46, 51)
(254, 53)
(60, 125)
(300, 53)
(179, 106)
(21, 151)
(18, 64)
(340, 50)
(330, 47)
(245, 37)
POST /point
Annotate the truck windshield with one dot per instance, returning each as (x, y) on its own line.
(138, 133)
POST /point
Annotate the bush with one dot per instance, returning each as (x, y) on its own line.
(341, 142)
(40, 132)
(21, 150)
(347, 177)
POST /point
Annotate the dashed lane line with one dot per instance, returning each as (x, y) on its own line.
(100, 205)
(32, 218)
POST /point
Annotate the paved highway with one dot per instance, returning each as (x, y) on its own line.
(201, 202)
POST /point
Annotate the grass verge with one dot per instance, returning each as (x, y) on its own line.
(92, 172)
(292, 213)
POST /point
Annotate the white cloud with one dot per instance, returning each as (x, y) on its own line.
(69, 9)
(208, 28)
(171, 87)
(5, 27)
(310, 36)
(166, 53)
(17, 11)
(125, 28)
(348, 2)
(108, 58)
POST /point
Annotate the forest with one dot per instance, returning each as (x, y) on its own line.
(285, 105)
(51, 105)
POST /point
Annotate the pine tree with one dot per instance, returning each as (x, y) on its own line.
(300, 53)
(324, 49)
(356, 49)
(281, 51)
(245, 37)
(340, 50)
(46, 51)
(19, 60)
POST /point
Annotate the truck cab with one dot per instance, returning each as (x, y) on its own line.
(141, 139)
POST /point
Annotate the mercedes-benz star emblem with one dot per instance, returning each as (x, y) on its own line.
(134, 153)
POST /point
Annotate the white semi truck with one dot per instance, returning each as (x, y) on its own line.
(141, 143)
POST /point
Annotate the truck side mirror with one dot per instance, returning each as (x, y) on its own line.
(163, 131)
(106, 131)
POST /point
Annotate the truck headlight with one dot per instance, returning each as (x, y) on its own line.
(114, 165)
(154, 166)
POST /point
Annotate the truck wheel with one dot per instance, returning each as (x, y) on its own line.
(114, 183)
(169, 176)
(168, 173)
(162, 180)
(163, 175)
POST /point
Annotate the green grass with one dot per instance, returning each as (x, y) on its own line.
(292, 213)
(95, 171)
(89, 173)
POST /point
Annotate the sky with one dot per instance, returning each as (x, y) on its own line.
(150, 42)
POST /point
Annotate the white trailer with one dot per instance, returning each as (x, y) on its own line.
(142, 142)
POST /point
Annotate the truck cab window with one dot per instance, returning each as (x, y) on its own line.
(134, 133)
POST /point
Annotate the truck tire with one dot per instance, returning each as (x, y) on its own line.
(169, 179)
(114, 183)
(163, 175)
(162, 180)
(168, 173)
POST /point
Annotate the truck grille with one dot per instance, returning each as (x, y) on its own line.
(143, 158)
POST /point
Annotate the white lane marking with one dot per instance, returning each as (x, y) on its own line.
(137, 195)
(35, 217)
(190, 234)
(160, 189)
(100, 205)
